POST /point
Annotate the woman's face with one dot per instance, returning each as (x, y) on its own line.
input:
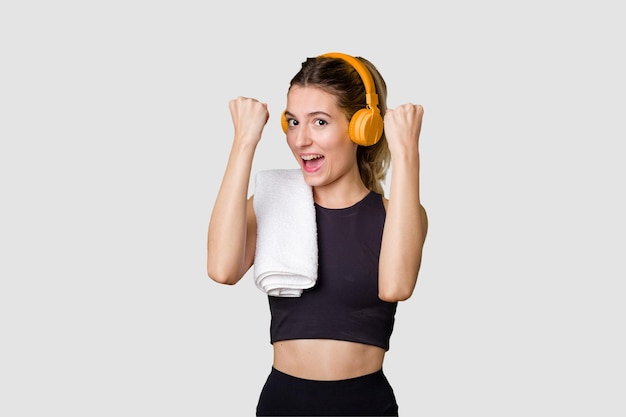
(318, 136)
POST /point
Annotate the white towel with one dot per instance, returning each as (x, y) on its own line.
(285, 261)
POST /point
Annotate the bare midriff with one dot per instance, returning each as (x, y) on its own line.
(326, 360)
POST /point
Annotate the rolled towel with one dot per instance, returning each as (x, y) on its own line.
(285, 260)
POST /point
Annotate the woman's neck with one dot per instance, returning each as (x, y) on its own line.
(340, 194)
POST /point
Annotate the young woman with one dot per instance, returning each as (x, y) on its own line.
(330, 342)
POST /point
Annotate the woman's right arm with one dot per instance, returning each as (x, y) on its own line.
(231, 238)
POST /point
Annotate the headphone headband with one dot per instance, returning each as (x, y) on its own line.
(366, 76)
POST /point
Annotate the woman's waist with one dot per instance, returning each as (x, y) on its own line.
(326, 359)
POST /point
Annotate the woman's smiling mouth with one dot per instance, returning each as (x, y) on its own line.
(312, 162)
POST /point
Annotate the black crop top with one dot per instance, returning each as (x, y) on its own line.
(344, 303)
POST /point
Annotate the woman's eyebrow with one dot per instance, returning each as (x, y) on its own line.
(315, 113)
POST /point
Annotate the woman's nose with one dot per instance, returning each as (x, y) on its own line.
(303, 136)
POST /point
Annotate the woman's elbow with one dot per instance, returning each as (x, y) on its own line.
(221, 275)
(395, 294)
(397, 284)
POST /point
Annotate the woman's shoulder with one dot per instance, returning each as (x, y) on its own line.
(385, 201)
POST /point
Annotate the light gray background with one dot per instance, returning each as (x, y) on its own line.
(115, 132)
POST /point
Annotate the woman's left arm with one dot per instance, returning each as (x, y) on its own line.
(406, 223)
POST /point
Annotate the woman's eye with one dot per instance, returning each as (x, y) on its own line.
(292, 122)
(320, 122)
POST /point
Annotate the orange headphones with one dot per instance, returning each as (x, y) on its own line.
(366, 125)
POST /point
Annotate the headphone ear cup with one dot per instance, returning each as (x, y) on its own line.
(283, 122)
(366, 127)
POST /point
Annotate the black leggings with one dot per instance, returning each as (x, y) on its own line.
(286, 395)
